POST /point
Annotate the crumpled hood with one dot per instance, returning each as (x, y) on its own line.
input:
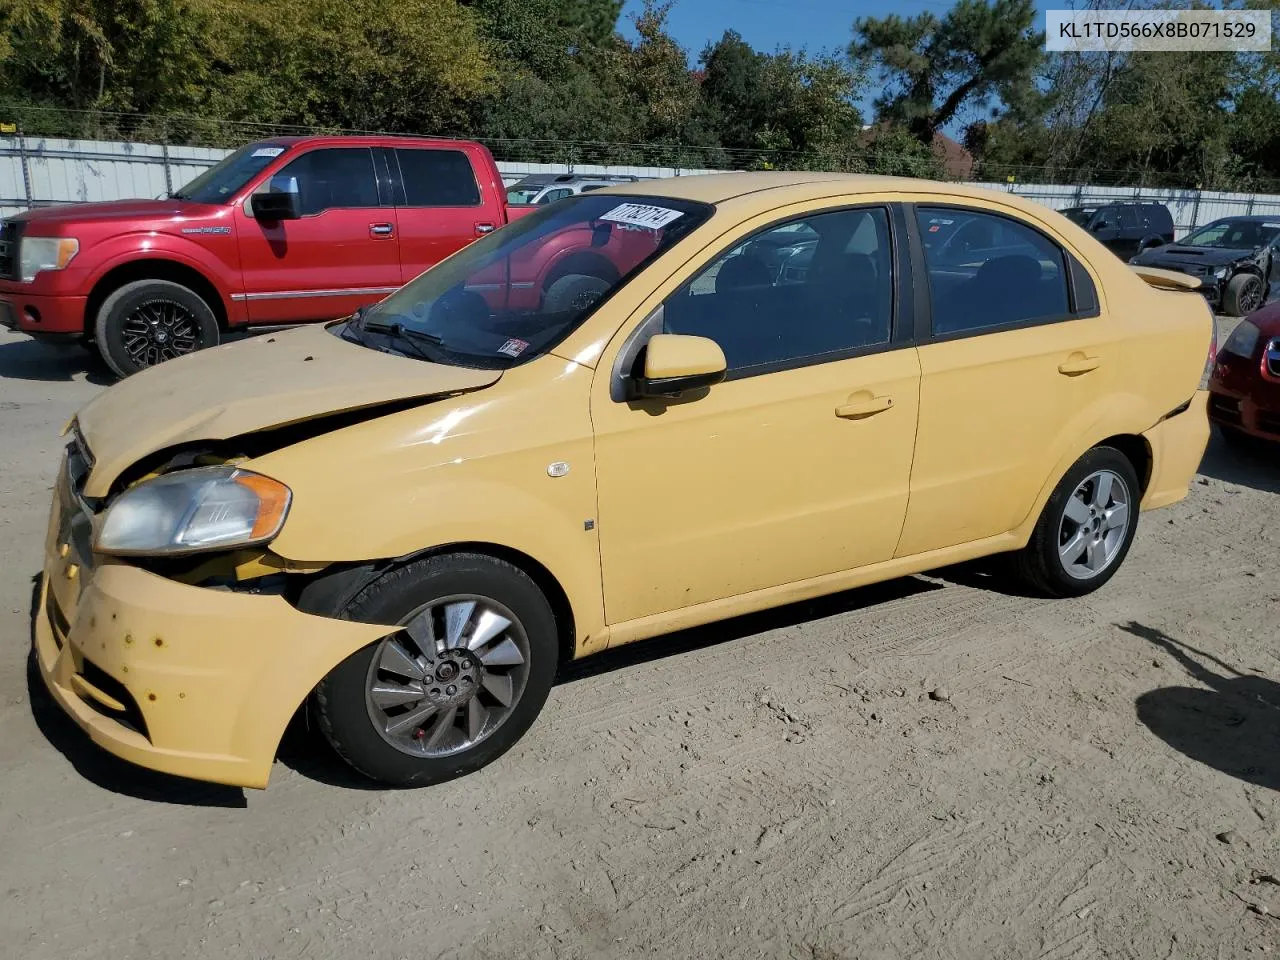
(1176, 256)
(254, 384)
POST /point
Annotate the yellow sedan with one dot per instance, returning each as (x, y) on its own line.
(732, 392)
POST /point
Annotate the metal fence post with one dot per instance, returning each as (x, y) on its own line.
(26, 168)
(168, 174)
(1195, 211)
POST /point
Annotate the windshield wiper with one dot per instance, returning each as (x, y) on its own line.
(406, 335)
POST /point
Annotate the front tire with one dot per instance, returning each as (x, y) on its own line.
(149, 321)
(1244, 294)
(1085, 529)
(460, 683)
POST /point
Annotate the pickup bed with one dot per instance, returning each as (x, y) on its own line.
(287, 230)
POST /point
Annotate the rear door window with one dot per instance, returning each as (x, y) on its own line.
(991, 271)
(437, 178)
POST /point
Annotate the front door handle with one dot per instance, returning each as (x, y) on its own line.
(381, 231)
(483, 228)
(1077, 364)
(862, 406)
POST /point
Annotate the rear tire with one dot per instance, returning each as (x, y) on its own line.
(367, 707)
(574, 292)
(1086, 528)
(149, 321)
(1244, 294)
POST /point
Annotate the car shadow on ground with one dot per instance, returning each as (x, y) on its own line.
(1234, 726)
(1255, 465)
(102, 768)
(31, 360)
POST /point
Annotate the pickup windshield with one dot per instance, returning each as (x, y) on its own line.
(1234, 235)
(223, 180)
(515, 294)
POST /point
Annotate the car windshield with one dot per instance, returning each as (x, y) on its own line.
(1234, 234)
(223, 180)
(515, 294)
(1079, 215)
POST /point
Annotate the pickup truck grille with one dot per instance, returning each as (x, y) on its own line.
(10, 265)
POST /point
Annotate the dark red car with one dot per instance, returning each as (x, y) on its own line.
(1244, 390)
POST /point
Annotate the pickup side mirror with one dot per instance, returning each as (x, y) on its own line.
(1150, 243)
(674, 363)
(280, 201)
(1099, 225)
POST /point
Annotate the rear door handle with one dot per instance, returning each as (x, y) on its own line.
(381, 231)
(1077, 364)
(483, 228)
(864, 406)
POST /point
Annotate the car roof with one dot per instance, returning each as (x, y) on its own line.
(798, 186)
(1251, 218)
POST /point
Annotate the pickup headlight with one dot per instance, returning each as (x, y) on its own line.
(1221, 272)
(1243, 340)
(189, 511)
(45, 253)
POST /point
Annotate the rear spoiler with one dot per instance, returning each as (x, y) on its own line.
(1166, 279)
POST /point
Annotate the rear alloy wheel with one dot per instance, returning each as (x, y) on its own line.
(1244, 295)
(150, 321)
(456, 686)
(1086, 527)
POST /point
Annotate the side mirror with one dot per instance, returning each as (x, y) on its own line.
(1099, 225)
(281, 200)
(674, 363)
(1151, 243)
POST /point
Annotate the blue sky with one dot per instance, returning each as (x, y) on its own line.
(766, 24)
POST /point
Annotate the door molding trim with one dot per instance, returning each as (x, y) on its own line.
(292, 294)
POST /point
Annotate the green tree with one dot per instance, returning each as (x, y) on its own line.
(936, 67)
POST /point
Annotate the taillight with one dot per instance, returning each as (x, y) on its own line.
(1212, 359)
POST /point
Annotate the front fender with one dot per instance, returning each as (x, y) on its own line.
(133, 247)
(473, 469)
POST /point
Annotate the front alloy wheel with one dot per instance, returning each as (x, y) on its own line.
(457, 684)
(450, 679)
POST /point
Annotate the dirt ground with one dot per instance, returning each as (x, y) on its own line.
(1093, 778)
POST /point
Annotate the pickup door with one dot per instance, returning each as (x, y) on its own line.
(441, 206)
(341, 254)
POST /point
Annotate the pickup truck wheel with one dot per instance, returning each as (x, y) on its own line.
(460, 682)
(574, 293)
(149, 321)
(1243, 295)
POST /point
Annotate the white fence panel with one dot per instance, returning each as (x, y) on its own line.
(78, 171)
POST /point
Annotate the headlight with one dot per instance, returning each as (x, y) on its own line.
(209, 508)
(1220, 272)
(46, 253)
(1243, 340)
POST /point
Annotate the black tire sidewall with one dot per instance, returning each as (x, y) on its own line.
(1235, 287)
(340, 698)
(109, 326)
(561, 294)
(1056, 580)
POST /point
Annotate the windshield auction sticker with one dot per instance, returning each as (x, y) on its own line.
(642, 215)
(1157, 30)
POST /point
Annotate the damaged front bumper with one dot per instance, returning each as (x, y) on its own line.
(187, 680)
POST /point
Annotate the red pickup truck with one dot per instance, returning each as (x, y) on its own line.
(287, 230)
